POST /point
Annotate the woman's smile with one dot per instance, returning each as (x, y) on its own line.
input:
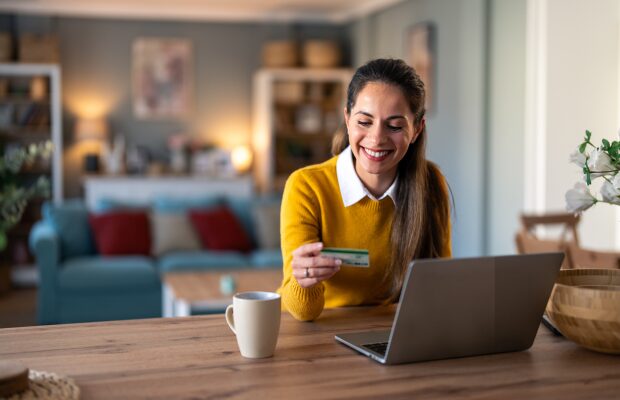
(376, 155)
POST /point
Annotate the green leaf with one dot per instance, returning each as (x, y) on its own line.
(588, 178)
(2, 240)
(588, 135)
(582, 147)
(606, 144)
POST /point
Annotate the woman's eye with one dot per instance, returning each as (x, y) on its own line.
(364, 123)
(395, 128)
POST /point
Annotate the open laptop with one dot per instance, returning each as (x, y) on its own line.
(464, 307)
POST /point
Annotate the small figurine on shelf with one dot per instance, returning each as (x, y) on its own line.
(115, 156)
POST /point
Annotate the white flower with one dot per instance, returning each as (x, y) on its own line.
(579, 198)
(577, 158)
(616, 182)
(599, 161)
(610, 194)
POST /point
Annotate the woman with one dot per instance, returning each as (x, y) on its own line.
(378, 194)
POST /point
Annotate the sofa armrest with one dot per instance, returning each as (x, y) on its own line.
(45, 245)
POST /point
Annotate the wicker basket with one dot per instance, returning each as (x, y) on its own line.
(39, 49)
(280, 54)
(321, 54)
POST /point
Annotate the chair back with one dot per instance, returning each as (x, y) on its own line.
(583, 258)
(527, 241)
(567, 221)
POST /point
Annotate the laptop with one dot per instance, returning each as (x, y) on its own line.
(464, 307)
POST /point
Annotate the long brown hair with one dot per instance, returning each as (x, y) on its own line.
(421, 221)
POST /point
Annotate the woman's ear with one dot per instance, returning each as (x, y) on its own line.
(346, 117)
(418, 130)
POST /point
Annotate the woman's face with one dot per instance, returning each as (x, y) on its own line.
(381, 128)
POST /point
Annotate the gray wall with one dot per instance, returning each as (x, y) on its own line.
(456, 127)
(506, 122)
(97, 54)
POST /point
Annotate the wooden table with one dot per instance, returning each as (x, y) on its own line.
(185, 292)
(197, 357)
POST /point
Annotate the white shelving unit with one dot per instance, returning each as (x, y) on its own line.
(312, 97)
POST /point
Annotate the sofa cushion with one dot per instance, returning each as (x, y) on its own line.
(201, 260)
(182, 205)
(266, 217)
(172, 232)
(70, 221)
(122, 233)
(219, 229)
(242, 208)
(97, 273)
(266, 258)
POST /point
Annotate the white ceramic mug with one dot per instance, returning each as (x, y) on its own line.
(254, 317)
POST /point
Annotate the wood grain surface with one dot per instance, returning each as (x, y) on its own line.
(197, 358)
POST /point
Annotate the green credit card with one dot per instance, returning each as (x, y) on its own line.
(349, 257)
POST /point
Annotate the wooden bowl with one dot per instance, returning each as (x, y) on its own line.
(585, 307)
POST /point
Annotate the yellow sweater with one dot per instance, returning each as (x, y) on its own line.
(313, 211)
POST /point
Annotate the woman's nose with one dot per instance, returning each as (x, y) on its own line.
(377, 135)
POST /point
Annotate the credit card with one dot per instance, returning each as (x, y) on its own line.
(349, 257)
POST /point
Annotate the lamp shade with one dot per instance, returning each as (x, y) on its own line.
(241, 158)
(91, 129)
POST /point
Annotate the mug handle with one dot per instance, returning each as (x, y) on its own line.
(229, 318)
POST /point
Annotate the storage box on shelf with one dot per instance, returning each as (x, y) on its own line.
(30, 112)
(296, 113)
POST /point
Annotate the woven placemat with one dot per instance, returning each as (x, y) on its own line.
(48, 386)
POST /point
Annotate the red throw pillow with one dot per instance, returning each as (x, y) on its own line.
(219, 229)
(121, 233)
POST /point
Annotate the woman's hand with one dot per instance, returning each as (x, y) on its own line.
(310, 268)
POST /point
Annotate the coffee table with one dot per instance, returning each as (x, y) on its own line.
(187, 292)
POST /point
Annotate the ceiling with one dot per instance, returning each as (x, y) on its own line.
(331, 11)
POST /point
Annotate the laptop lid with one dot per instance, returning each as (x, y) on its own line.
(462, 307)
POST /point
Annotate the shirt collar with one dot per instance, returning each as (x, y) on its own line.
(351, 187)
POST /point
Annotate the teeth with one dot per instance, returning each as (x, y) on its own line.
(377, 154)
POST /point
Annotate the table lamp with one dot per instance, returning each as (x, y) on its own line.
(241, 158)
(91, 129)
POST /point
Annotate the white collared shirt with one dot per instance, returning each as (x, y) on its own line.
(351, 186)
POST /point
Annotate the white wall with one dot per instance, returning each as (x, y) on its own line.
(506, 122)
(577, 85)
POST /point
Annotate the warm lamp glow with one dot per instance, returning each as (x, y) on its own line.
(241, 158)
(91, 129)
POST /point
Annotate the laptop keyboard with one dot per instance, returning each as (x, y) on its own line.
(379, 348)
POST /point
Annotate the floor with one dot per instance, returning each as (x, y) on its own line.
(18, 307)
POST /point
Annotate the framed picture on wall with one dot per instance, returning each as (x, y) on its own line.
(421, 55)
(161, 77)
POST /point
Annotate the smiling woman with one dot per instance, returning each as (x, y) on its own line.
(379, 195)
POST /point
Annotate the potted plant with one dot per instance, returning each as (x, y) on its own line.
(14, 192)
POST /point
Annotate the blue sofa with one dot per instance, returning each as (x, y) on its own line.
(79, 285)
